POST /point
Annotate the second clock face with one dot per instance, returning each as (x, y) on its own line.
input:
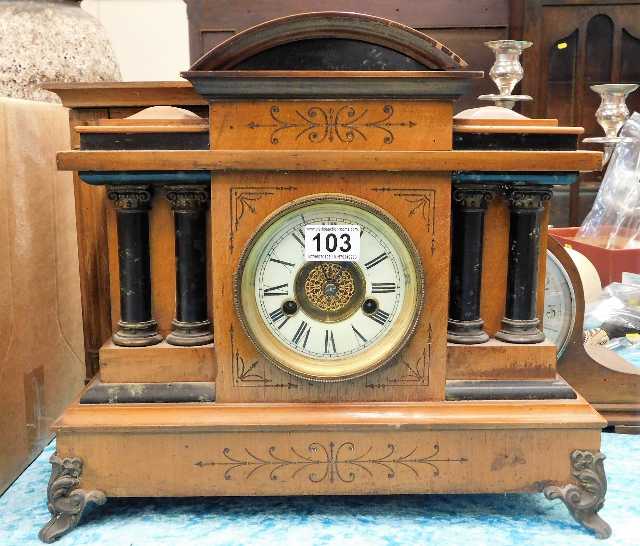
(559, 304)
(330, 319)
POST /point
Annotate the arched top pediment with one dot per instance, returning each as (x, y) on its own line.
(330, 41)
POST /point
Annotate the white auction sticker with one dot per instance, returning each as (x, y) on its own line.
(332, 243)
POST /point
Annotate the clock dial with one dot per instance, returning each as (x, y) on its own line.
(559, 304)
(329, 320)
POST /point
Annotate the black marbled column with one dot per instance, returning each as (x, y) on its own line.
(469, 205)
(136, 325)
(191, 325)
(520, 324)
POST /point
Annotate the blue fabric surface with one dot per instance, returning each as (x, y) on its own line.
(441, 520)
(631, 355)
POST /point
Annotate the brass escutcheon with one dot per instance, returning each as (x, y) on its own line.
(330, 291)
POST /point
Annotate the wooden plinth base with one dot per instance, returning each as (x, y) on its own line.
(622, 417)
(318, 449)
(498, 360)
(156, 364)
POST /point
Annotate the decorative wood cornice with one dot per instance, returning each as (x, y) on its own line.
(113, 94)
(316, 160)
(546, 414)
(330, 24)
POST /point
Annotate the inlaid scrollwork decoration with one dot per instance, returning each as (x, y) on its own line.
(319, 124)
(331, 462)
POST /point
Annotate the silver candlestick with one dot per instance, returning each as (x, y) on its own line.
(611, 114)
(507, 71)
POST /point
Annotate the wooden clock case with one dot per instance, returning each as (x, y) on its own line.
(607, 381)
(185, 417)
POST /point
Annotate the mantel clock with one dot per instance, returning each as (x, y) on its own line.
(317, 273)
(610, 383)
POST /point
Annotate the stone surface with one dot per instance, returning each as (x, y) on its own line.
(51, 40)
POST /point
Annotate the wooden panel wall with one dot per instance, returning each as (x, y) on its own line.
(459, 24)
(589, 56)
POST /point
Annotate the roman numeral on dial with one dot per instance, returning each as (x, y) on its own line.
(375, 261)
(329, 342)
(383, 287)
(303, 330)
(280, 290)
(358, 334)
(277, 315)
(299, 236)
(379, 316)
(282, 262)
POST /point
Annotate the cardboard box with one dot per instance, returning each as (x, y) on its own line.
(41, 344)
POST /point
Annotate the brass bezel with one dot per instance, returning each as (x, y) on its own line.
(340, 369)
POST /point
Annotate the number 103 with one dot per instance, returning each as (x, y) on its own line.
(331, 242)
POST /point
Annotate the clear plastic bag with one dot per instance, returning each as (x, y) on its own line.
(616, 312)
(614, 219)
(613, 321)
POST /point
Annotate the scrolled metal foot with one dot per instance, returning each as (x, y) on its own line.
(66, 503)
(587, 498)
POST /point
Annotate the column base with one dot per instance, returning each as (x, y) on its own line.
(467, 332)
(137, 334)
(520, 331)
(189, 334)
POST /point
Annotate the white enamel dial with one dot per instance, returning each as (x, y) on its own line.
(330, 319)
(559, 304)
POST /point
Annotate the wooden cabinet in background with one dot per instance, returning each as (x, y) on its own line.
(577, 44)
(460, 24)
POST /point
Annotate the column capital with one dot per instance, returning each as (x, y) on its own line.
(187, 197)
(527, 197)
(473, 196)
(130, 197)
